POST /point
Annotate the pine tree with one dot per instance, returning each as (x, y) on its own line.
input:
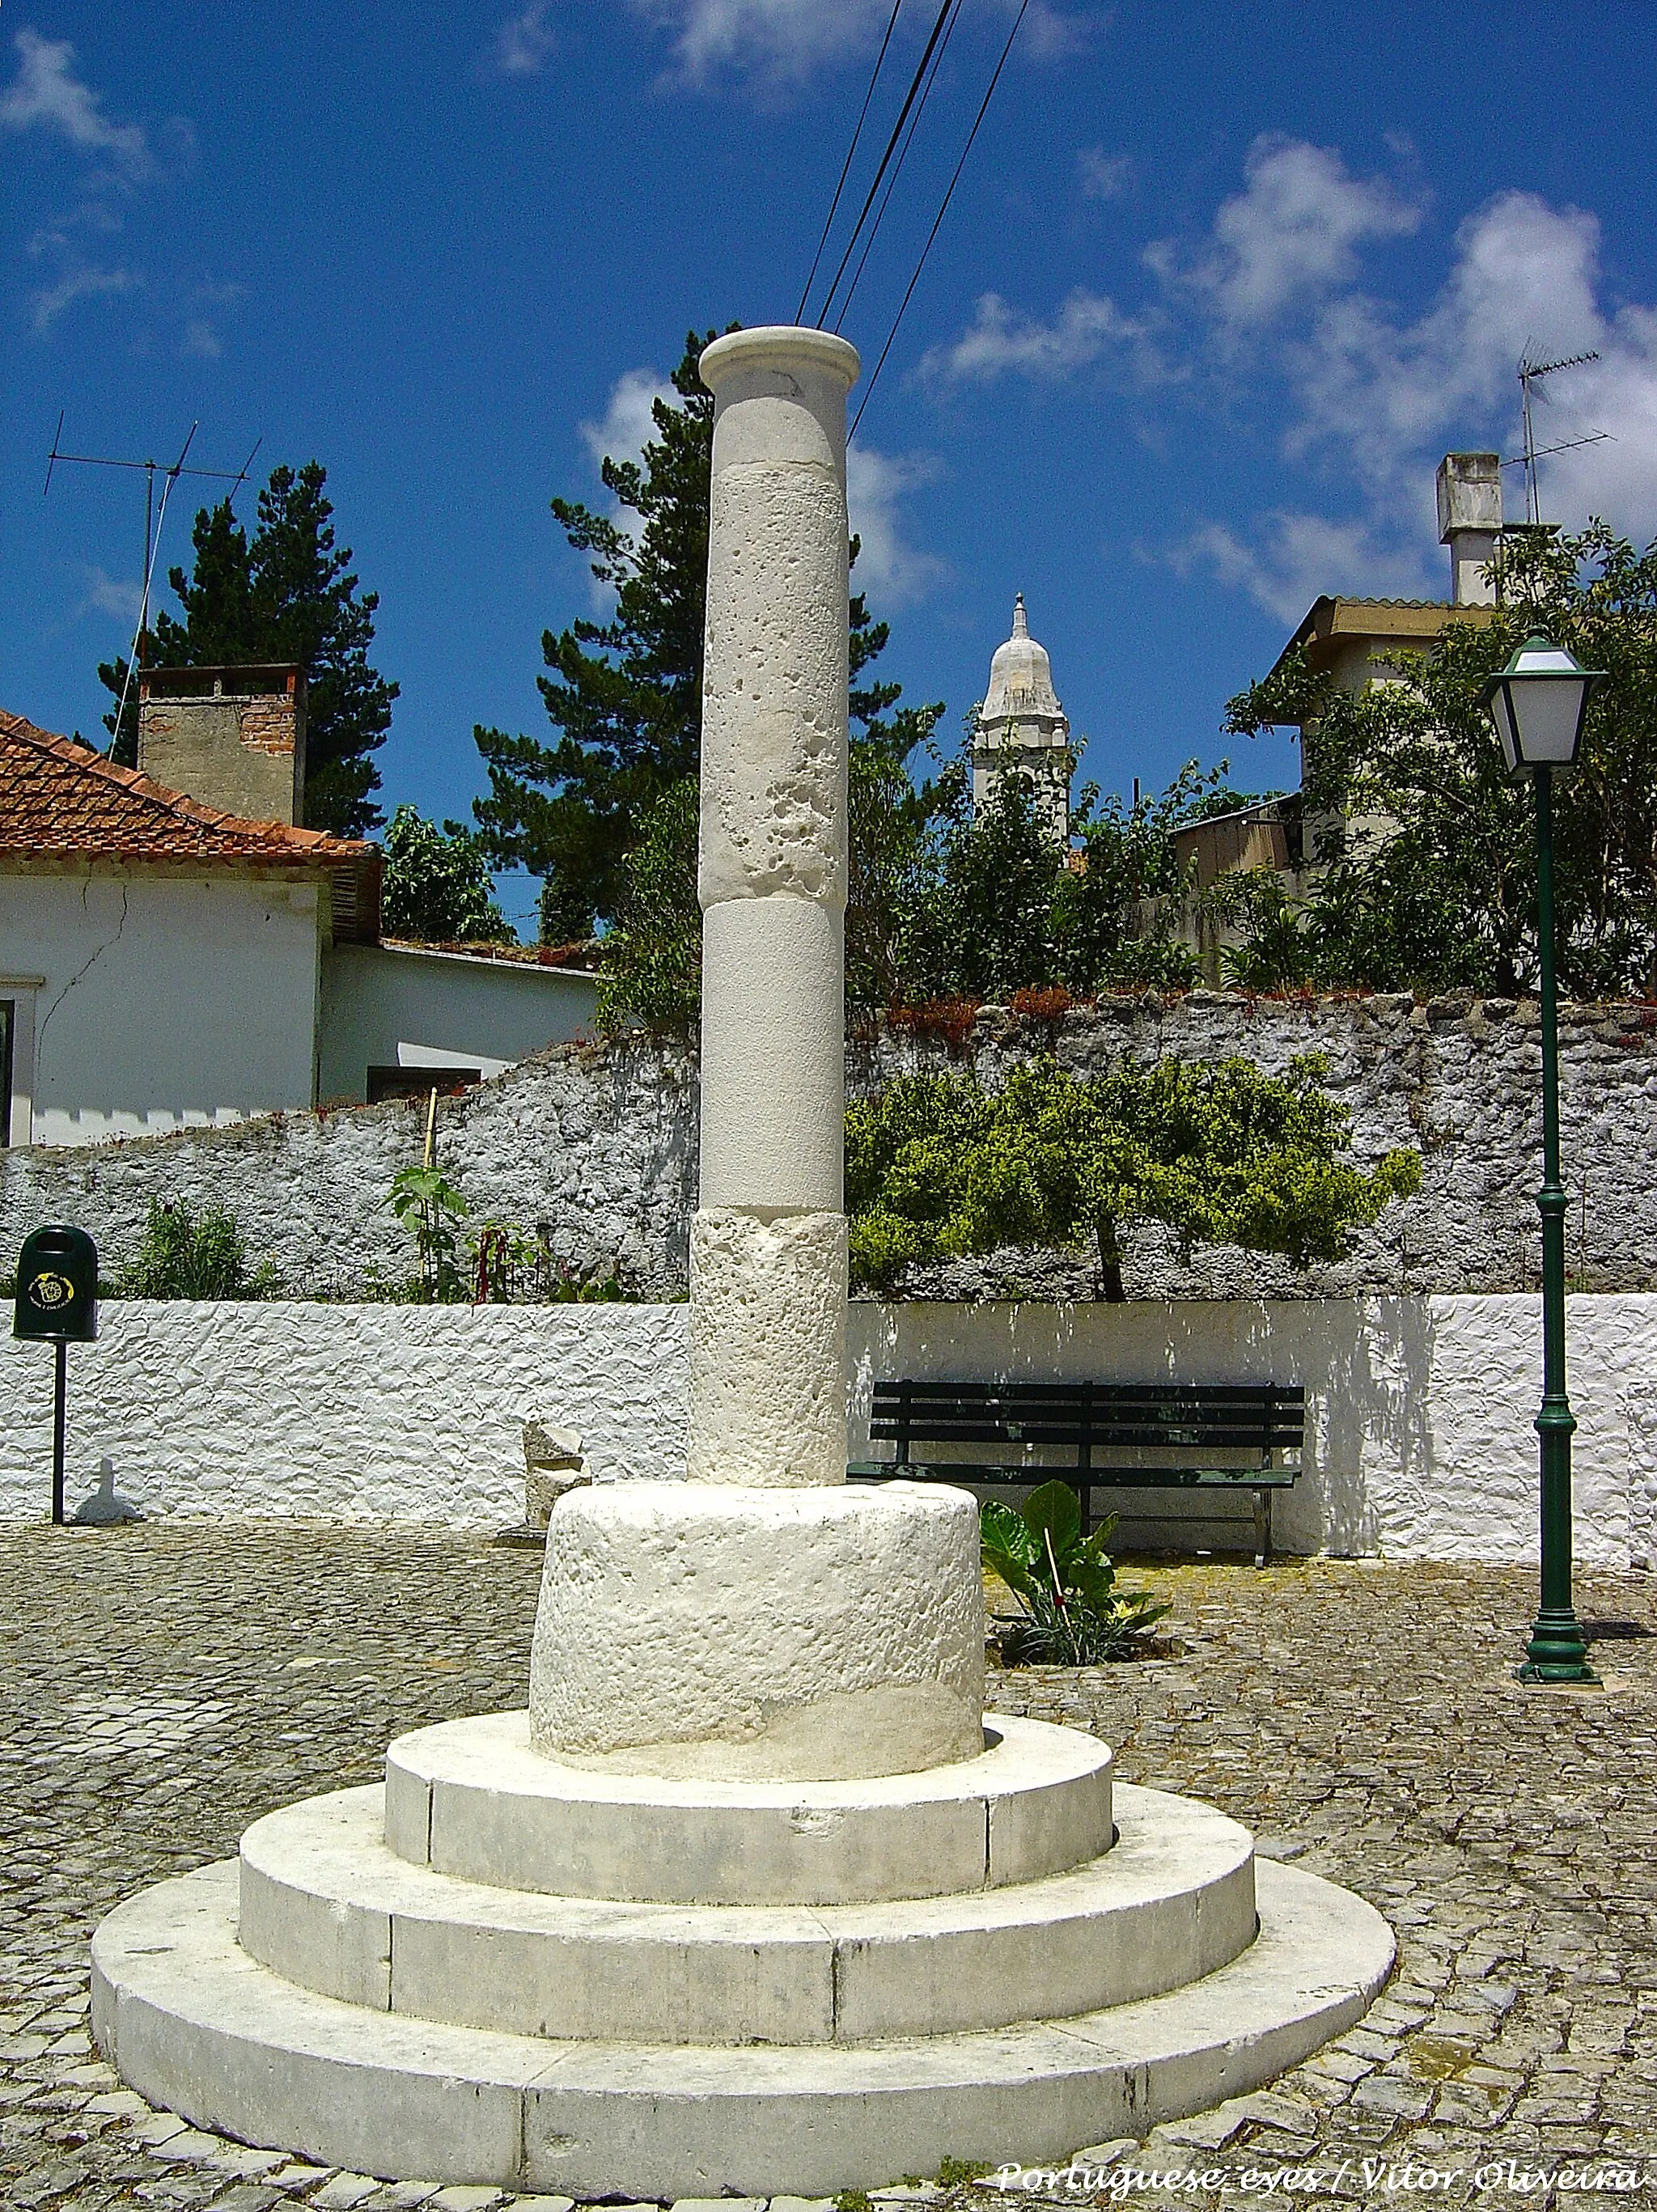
(626, 695)
(288, 595)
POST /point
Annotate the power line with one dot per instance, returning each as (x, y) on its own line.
(897, 171)
(845, 166)
(921, 66)
(869, 391)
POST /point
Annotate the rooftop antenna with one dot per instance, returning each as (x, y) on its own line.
(153, 522)
(1531, 373)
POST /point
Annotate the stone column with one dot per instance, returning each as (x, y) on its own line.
(764, 1620)
(767, 1247)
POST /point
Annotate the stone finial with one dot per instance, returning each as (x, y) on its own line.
(1020, 623)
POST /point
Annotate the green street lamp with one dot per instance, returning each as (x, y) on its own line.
(1538, 703)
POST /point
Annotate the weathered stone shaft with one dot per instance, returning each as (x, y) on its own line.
(768, 1246)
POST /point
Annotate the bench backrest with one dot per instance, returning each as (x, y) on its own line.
(1262, 1416)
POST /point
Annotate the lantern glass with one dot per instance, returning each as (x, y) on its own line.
(1536, 703)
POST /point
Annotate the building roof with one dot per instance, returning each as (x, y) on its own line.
(59, 800)
(579, 959)
(1329, 623)
(1021, 676)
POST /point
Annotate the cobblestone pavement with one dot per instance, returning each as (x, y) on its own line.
(165, 1685)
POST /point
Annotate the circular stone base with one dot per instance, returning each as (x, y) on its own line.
(469, 1798)
(748, 1634)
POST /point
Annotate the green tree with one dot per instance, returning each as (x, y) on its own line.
(937, 1167)
(1425, 871)
(437, 885)
(287, 594)
(650, 965)
(625, 694)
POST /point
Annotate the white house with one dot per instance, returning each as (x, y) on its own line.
(163, 963)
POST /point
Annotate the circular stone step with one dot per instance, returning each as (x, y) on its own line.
(327, 1905)
(193, 2023)
(469, 1797)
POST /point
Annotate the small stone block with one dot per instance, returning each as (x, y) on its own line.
(802, 2204)
(298, 2175)
(717, 2205)
(1106, 2153)
(1207, 2130)
(345, 2191)
(159, 2128)
(466, 2196)
(122, 2102)
(192, 2143)
(541, 2204)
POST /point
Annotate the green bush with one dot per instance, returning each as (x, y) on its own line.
(187, 1255)
(1070, 1612)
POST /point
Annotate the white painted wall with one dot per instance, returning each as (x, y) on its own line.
(165, 1001)
(388, 1005)
(1419, 1444)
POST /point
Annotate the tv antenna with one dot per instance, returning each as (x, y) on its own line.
(152, 521)
(1531, 373)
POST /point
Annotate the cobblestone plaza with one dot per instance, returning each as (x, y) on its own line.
(165, 1685)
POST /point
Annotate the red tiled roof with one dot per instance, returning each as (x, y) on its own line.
(59, 799)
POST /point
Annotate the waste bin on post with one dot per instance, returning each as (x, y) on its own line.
(56, 1303)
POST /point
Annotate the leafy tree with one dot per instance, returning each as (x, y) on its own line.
(287, 594)
(937, 1167)
(1425, 871)
(650, 967)
(625, 694)
(437, 885)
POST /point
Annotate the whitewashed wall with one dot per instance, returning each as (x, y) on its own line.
(1420, 1442)
(163, 1002)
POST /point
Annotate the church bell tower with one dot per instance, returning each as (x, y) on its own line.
(1022, 731)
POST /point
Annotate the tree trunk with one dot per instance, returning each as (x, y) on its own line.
(1110, 1264)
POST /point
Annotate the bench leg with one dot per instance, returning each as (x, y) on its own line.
(1262, 1527)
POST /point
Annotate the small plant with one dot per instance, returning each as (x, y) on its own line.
(1072, 1612)
(955, 2172)
(853, 2200)
(186, 1254)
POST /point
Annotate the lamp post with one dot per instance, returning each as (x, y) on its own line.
(1538, 703)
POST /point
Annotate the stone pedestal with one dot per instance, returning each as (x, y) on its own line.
(751, 1899)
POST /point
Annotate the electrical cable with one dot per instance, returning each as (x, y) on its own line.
(891, 146)
(173, 476)
(869, 392)
(897, 171)
(846, 169)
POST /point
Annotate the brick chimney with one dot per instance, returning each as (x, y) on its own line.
(232, 738)
(1469, 519)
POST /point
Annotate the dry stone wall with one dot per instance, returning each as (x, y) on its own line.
(599, 1142)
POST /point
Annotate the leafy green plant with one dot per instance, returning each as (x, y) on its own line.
(1072, 1612)
(426, 1202)
(186, 1254)
(955, 2172)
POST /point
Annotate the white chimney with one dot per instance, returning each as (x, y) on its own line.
(1469, 518)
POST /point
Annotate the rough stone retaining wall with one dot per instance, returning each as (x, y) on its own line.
(599, 1142)
(1419, 1410)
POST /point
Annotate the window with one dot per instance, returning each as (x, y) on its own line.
(8, 1033)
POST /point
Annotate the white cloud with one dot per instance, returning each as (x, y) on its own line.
(47, 93)
(1297, 557)
(523, 41)
(782, 39)
(894, 571)
(113, 595)
(1000, 341)
(201, 339)
(1293, 231)
(1103, 176)
(629, 424)
(46, 306)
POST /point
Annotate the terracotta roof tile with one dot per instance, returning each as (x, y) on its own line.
(58, 798)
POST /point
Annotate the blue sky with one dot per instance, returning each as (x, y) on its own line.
(1218, 287)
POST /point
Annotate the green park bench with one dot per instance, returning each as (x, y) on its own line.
(1169, 1435)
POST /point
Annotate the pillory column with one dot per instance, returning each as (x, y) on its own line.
(767, 1247)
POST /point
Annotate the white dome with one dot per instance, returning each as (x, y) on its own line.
(1021, 675)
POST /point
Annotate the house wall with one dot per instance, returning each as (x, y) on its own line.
(387, 1007)
(167, 1001)
(1419, 1442)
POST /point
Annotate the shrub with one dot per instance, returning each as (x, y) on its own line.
(1070, 1612)
(194, 1255)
